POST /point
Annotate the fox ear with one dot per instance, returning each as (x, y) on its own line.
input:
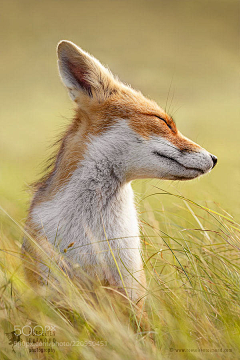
(81, 73)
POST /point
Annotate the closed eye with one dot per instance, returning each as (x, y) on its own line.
(159, 117)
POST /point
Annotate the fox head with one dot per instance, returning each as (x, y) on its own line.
(114, 121)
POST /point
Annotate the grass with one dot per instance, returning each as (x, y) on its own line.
(191, 259)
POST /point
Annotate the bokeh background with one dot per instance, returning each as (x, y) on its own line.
(184, 54)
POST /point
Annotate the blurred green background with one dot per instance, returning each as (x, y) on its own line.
(187, 49)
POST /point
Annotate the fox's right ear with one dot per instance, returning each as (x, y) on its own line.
(82, 74)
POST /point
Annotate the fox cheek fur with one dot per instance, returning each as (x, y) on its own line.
(117, 135)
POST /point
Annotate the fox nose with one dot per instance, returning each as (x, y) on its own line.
(214, 159)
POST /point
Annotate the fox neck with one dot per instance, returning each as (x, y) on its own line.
(96, 203)
(105, 199)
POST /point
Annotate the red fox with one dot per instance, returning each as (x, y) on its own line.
(86, 200)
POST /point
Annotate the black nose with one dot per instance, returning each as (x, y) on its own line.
(214, 159)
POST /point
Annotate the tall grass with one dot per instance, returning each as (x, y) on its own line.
(191, 259)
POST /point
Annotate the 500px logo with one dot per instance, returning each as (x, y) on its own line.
(37, 330)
